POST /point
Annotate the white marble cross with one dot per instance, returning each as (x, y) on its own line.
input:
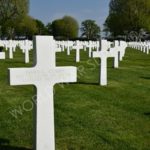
(44, 75)
(123, 46)
(63, 46)
(105, 45)
(103, 55)
(26, 51)
(97, 45)
(78, 47)
(68, 48)
(2, 55)
(57, 46)
(113, 52)
(117, 52)
(90, 49)
(10, 49)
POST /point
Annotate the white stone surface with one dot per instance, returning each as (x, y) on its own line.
(90, 49)
(123, 46)
(44, 75)
(114, 52)
(10, 49)
(77, 47)
(105, 45)
(2, 55)
(26, 51)
(27, 59)
(69, 47)
(103, 55)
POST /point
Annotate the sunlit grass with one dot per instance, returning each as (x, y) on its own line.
(87, 116)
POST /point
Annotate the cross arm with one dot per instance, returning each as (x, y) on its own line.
(65, 74)
(100, 54)
(20, 76)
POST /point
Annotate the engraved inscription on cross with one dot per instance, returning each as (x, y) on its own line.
(43, 75)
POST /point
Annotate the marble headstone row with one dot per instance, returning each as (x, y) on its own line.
(103, 50)
(78, 45)
(142, 46)
(11, 45)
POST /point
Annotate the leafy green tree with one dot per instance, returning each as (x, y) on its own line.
(12, 9)
(49, 28)
(90, 29)
(128, 15)
(42, 30)
(58, 27)
(11, 14)
(71, 27)
(66, 27)
(8, 30)
(27, 27)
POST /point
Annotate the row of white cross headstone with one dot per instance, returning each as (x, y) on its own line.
(11, 45)
(103, 51)
(142, 46)
(78, 45)
(45, 74)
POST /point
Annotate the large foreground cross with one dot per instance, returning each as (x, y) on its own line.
(44, 75)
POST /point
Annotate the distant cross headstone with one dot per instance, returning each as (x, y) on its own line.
(97, 45)
(147, 49)
(26, 50)
(10, 49)
(78, 47)
(27, 56)
(123, 46)
(115, 54)
(44, 75)
(69, 44)
(63, 46)
(90, 49)
(103, 55)
(68, 48)
(105, 45)
(57, 46)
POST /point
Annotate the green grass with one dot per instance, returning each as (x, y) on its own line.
(87, 116)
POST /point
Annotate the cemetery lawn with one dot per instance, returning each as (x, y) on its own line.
(87, 116)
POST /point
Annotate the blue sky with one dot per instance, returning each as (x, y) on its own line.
(49, 10)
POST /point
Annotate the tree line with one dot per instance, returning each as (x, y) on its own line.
(129, 18)
(15, 23)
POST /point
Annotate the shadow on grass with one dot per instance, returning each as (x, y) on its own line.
(4, 145)
(87, 83)
(147, 114)
(147, 78)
